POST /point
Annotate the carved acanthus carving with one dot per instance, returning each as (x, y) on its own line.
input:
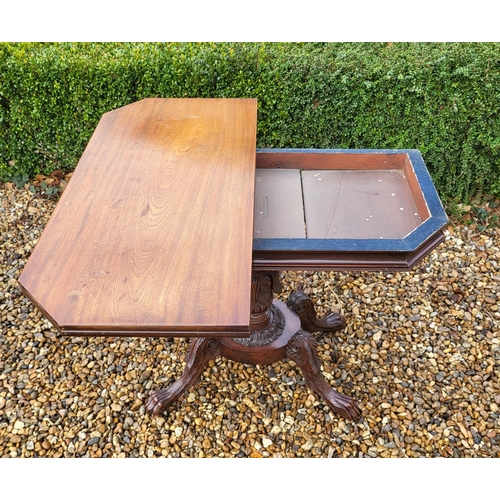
(268, 334)
(266, 321)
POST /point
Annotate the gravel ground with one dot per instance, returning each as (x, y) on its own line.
(421, 355)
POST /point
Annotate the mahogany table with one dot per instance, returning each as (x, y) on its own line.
(168, 229)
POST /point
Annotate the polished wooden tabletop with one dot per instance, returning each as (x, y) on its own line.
(153, 234)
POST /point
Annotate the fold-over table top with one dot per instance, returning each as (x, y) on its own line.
(153, 234)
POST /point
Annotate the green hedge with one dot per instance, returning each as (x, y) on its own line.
(443, 99)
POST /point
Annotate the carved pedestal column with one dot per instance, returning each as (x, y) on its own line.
(267, 322)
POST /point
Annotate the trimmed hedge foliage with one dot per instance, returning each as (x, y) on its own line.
(443, 99)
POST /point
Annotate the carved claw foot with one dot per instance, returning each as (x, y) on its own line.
(302, 350)
(200, 352)
(303, 306)
(161, 399)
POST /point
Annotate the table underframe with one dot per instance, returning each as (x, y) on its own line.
(278, 331)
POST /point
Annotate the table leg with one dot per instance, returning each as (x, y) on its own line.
(200, 352)
(301, 304)
(302, 350)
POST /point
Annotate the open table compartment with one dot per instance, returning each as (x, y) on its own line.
(344, 210)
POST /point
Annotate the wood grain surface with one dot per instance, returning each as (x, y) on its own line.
(278, 211)
(153, 234)
(358, 204)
